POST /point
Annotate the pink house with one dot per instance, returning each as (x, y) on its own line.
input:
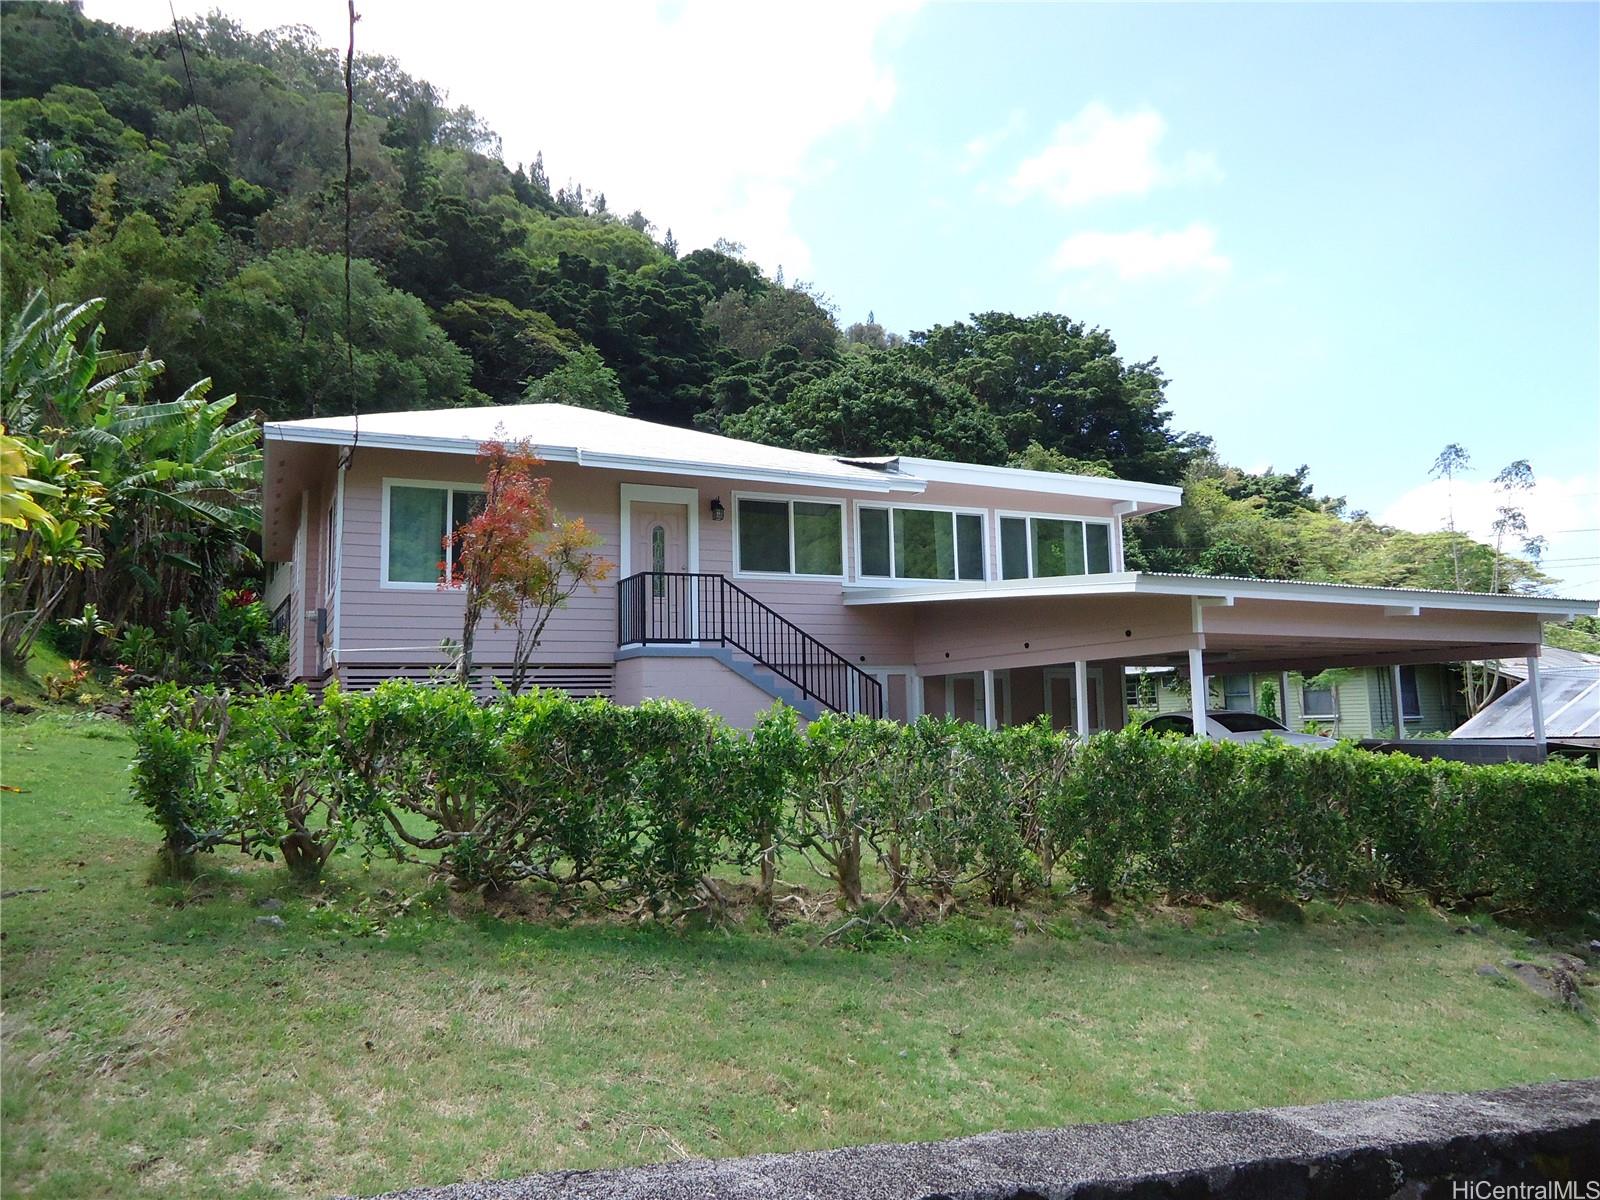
(748, 573)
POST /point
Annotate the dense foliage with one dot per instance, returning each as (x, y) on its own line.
(200, 190)
(149, 505)
(650, 803)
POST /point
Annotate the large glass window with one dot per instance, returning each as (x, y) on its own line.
(920, 543)
(790, 537)
(421, 516)
(1045, 547)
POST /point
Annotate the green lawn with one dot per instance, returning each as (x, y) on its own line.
(160, 1042)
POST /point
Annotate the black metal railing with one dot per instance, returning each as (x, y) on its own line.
(678, 607)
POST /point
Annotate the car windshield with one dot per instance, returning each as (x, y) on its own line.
(1236, 722)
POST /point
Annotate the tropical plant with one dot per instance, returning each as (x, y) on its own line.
(158, 498)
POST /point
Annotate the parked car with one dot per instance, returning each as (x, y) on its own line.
(1237, 727)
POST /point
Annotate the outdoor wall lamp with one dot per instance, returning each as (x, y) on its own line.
(717, 511)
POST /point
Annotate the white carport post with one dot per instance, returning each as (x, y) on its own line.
(1080, 697)
(1197, 691)
(1397, 696)
(1283, 696)
(988, 698)
(1536, 703)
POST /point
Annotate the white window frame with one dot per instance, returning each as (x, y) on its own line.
(1333, 692)
(892, 579)
(449, 487)
(1416, 687)
(838, 502)
(1112, 543)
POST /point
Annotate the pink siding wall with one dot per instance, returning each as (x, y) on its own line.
(379, 623)
(703, 682)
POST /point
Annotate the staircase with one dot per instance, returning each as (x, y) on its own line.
(694, 609)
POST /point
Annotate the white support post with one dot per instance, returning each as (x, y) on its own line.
(1399, 699)
(1197, 691)
(914, 700)
(1080, 697)
(1536, 703)
(988, 698)
(1283, 696)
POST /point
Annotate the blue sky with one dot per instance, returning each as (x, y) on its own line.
(1349, 233)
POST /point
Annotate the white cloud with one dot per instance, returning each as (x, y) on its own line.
(980, 147)
(1098, 155)
(1144, 253)
(1565, 511)
(706, 114)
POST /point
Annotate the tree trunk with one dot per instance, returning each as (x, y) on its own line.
(304, 855)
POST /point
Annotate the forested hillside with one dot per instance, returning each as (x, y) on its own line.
(199, 188)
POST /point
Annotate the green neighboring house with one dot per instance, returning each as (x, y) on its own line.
(1355, 703)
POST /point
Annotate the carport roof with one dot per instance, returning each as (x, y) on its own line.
(1225, 589)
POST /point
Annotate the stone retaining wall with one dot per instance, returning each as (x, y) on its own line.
(1404, 1147)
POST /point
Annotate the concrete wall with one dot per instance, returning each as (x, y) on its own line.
(702, 681)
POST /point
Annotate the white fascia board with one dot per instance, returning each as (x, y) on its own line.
(1147, 497)
(911, 591)
(1345, 593)
(603, 460)
(1208, 590)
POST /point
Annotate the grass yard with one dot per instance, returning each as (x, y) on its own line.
(159, 1041)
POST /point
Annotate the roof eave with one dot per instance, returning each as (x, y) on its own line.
(1146, 497)
(602, 460)
(1142, 583)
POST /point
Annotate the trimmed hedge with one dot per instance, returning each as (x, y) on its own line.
(650, 802)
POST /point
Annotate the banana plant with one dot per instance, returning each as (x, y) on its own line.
(162, 496)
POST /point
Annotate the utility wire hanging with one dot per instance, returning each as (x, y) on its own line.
(199, 121)
(349, 123)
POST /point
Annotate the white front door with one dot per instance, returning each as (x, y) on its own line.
(659, 545)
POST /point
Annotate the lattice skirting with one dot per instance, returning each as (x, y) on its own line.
(583, 680)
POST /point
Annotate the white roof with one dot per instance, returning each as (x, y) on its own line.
(563, 433)
(1223, 588)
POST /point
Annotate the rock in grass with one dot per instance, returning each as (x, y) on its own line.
(1491, 971)
(271, 904)
(1553, 983)
(272, 922)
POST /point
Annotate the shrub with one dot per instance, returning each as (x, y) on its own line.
(176, 737)
(646, 803)
(280, 766)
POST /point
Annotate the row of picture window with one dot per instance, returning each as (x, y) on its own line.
(801, 537)
(806, 537)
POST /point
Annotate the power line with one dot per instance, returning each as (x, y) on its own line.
(199, 123)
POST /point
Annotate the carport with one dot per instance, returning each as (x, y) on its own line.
(1202, 625)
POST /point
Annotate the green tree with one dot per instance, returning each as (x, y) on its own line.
(275, 334)
(30, 252)
(752, 325)
(1052, 380)
(584, 380)
(876, 404)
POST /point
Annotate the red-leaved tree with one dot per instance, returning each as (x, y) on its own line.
(517, 557)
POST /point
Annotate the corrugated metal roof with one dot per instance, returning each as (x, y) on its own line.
(1570, 698)
(1551, 658)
